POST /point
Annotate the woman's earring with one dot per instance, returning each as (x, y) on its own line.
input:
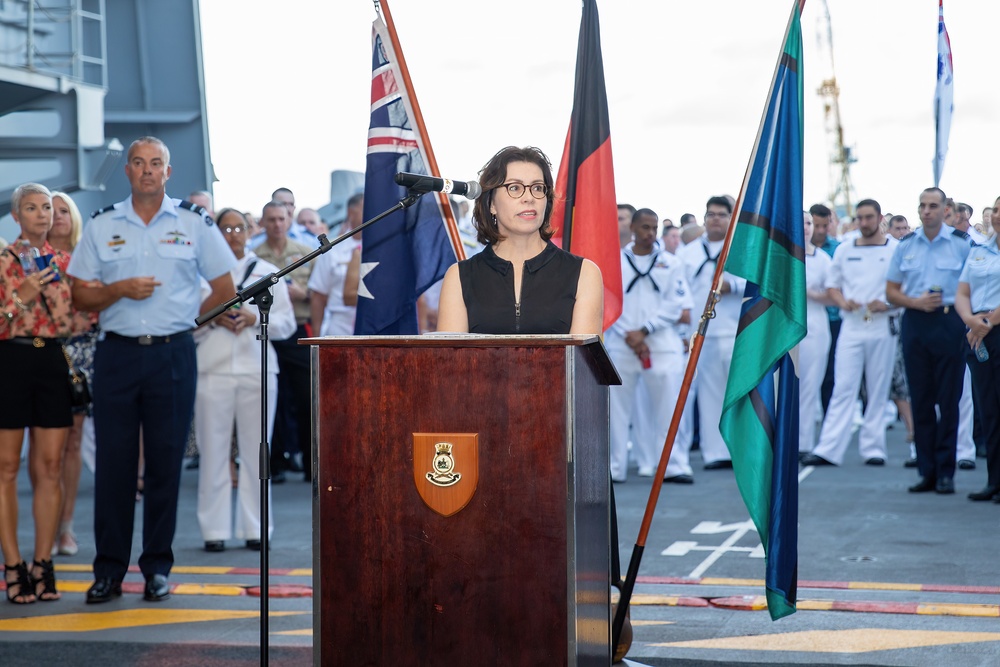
(494, 221)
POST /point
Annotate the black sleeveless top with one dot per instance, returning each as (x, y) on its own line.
(548, 292)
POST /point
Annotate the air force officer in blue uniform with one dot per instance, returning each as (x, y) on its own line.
(923, 278)
(138, 263)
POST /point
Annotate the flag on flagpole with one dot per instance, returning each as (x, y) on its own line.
(759, 421)
(407, 252)
(585, 212)
(944, 96)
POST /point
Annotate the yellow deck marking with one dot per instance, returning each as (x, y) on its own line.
(73, 568)
(984, 610)
(719, 581)
(191, 569)
(878, 586)
(70, 586)
(648, 599)
(126, 618)
(806, 605)
(840, 641)
(208, 589)
(639, 624)
(200, 570)
(307, 632)
(77, 586)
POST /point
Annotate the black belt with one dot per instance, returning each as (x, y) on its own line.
(37, 341)
(149, 340)
(940, 310)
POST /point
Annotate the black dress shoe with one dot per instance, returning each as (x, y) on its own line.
(157, 589)
(104, 590)
(945, 485)
(875, 461)
(679, 479)
(816, 460)
(278, 477)
(253, 545)
(719, 465)
(966, 464)
(988, 493)
(923, 486)
(911, 463)
(215, 546)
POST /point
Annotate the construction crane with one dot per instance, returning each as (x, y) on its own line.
(841, 156)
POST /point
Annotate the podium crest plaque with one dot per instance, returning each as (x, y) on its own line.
(446, 469)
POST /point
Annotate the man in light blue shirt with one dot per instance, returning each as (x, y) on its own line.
(923, 278)
(138, 263)
(296, 232)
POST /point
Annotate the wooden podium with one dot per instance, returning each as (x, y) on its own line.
(460, 506)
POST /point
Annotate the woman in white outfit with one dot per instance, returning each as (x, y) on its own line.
(229, 390)
(814, 348)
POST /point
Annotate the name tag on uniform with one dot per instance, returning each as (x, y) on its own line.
(853, 259)
(116, 242)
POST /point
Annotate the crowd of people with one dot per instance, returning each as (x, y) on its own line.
(114, 302)
(893, 314)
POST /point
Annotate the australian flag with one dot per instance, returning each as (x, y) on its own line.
(410, 250)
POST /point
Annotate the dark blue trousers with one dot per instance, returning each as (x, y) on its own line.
(986, 388)
(935, 369)
(152, 388)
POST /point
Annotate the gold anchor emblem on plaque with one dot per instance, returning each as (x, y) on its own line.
(443, 466)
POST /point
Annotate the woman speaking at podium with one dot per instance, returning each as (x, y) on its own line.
(521, 283)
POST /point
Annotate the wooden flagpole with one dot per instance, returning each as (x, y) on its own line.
(697, 341)
(382, 7)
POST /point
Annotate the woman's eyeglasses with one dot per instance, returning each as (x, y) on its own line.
(537, 190)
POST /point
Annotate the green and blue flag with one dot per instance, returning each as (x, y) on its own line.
(760, 412)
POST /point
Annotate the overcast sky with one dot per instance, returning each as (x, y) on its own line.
(288, 90)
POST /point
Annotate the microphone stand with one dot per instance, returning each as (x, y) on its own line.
(259, 293)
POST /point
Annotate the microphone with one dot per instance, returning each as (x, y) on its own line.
(419, 183)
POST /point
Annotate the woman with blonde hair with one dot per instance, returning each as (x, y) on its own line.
(35, 314)
(67, 226)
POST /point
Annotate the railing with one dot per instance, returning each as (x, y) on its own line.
(59, 37)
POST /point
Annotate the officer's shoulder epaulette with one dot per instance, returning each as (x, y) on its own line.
(191, 206)
(960, 234)
(908, 236)
(109, 207)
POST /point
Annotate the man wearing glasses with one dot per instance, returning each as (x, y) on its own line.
(700, 258)
(229, 390)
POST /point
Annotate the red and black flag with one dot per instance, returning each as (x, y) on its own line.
(585, 213)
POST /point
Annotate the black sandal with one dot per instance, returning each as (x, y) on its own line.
(23, 583)
(47, 580)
